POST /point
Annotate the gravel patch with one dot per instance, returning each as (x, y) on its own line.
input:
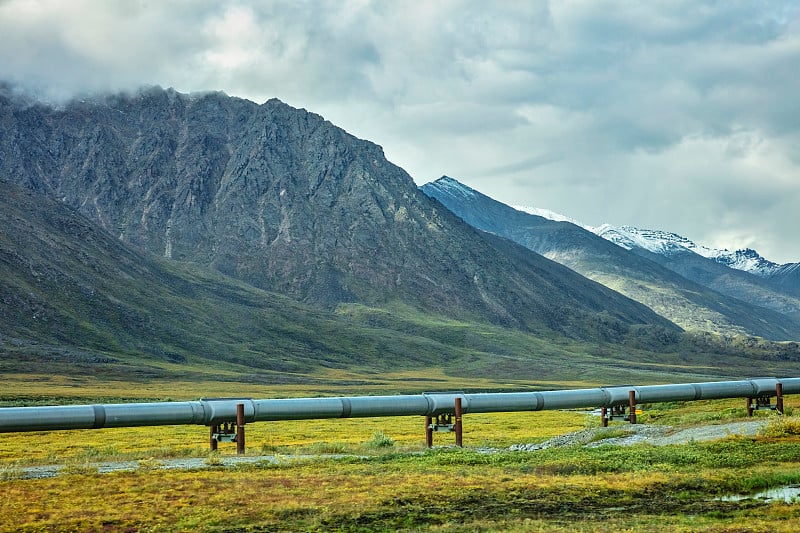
(190, 463)
(637, 433)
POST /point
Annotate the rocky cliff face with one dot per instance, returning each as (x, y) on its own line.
(286, 201)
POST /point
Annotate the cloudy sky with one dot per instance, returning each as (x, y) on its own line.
(677, 115)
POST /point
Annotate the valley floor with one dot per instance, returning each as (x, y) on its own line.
(589, 481)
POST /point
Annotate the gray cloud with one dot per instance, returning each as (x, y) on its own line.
(678, 115)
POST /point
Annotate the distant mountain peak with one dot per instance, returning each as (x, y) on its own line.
(668, 244)
(454, 186)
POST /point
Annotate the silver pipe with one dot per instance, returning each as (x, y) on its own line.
(214, 411)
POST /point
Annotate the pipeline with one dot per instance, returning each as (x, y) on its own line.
(211, 412)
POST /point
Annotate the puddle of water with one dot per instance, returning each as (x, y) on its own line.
(788, 494)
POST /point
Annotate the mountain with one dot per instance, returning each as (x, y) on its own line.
(285, 201)
(76, 298)
(666, 243)
(742, 274)
(785, 277)
(690, 304)
(76, 301)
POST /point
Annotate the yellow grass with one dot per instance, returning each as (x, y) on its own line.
(318, 496)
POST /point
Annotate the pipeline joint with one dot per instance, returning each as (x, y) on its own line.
(99, 416)
(346, 408)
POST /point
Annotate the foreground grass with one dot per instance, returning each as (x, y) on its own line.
(394, 485)
(572, 489)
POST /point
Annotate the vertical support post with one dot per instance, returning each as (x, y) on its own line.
(779, 397)
(632, 402)
(749, 407)
(212, 439)
(457, 426)
(428, 432)
(240, 429)
(604, 416)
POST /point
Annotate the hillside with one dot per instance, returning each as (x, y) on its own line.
(76, 301)
(687, 302)
(285, 201)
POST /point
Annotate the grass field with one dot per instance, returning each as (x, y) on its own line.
(389, 482)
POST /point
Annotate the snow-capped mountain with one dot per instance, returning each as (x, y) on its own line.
(668, 244)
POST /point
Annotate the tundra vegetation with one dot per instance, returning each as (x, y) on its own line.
(382, 478)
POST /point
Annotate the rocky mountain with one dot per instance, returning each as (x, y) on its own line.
(76, 301)
(282, 199)
(691, 301)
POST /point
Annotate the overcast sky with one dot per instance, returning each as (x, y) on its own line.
(676, 115)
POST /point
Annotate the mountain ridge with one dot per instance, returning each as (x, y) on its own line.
(784, 278)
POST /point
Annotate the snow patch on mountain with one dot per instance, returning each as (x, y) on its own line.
(546, 213)
(454, 187)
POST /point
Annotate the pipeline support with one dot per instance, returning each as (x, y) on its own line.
(240, 429)
(458, 426)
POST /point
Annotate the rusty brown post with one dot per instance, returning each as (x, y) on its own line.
(632, 402)
(212, 439)
(240, 429)
(749, 407)
(459, 441)
(604, 416)
(428, 432)
(779, 398)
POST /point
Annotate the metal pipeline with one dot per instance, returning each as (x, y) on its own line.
(214, 411)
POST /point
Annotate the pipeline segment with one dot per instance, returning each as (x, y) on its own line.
(210, 412)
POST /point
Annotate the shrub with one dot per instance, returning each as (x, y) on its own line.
(380, 440)
(8, 473)
(782, 426)
(214, 459)
(151, 463)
